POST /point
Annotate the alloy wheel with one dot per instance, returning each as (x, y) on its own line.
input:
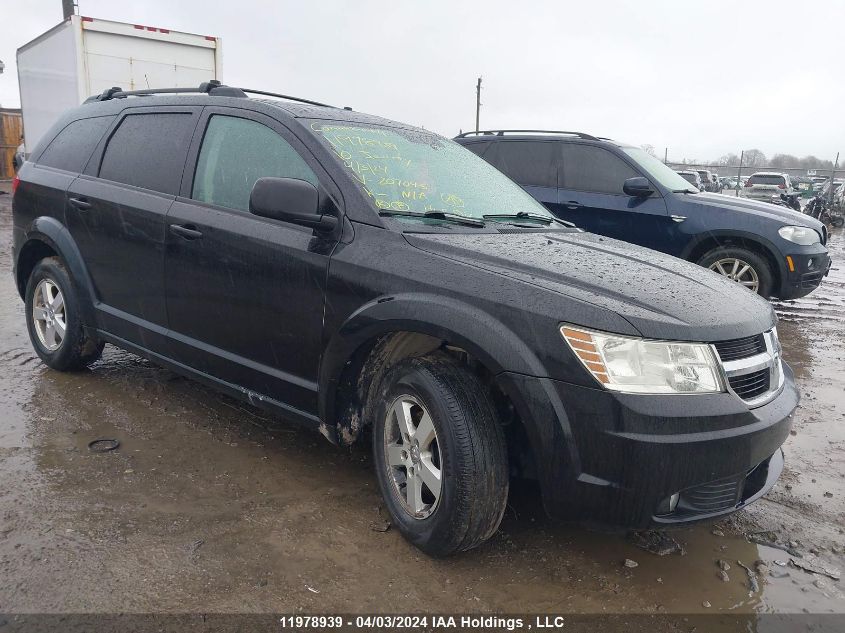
(737, 270)
(412, 455)
(48, 314)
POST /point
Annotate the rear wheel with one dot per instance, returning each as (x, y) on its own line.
(440, 455)
(54, 320)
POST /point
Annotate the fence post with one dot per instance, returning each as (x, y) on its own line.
(739, 173)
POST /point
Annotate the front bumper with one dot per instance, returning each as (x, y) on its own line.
(805, 274)
(618, 458)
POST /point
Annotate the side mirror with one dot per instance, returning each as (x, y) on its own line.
(289, 200)
(638, 187)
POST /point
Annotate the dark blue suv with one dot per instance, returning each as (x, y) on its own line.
(623, 192)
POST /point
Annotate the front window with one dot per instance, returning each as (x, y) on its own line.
(658, 171)
(415, 171)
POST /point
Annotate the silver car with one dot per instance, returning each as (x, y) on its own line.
(765, 184)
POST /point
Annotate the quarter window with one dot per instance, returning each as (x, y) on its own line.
(73, 146)
(588, 168)
(235, 153)
(149, 151)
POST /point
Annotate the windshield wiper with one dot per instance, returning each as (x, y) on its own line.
(523, 215)
(435, 215)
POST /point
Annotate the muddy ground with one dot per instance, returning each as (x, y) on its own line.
(212, 506)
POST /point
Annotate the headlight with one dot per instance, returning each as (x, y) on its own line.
(637, 365)
(799, 235)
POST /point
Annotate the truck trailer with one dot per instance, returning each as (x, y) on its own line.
(85, 56)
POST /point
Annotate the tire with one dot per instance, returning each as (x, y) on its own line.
(74, 349)
(759, 270)
(837, 221)
(469, 449)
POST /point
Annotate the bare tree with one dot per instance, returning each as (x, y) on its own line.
(648, 149)
(754, 158)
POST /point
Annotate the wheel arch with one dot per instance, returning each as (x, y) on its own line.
(47, 237)
(716, 239)
(391, 328)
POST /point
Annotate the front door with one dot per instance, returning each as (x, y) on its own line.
(245, 293)
(591, 196)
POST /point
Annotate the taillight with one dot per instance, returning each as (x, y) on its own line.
(781, 186)
(15, 182)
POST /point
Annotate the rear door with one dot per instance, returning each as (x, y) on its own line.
(531, 164)
(116, 214)
(591, 196)
(245, 293)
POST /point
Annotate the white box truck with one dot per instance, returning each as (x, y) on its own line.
(84, 56)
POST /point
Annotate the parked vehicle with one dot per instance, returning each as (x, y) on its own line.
(706, 179)
(763, 185)
(693, 178)
(83, 56)
(353, 273)
(823, 211)
(619, 191)
(717, 183)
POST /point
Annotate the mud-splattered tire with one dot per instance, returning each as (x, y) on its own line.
(451, 432)
(53, 319)
(750, 269)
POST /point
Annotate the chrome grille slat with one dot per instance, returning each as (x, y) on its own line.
(752, 367)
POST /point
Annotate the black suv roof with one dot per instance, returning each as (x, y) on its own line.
(296, 107)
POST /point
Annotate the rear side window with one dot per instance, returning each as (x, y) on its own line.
(478, 147)
(766, 180)
(588, 168)
(235, 153)
(73, 146)
(149, 150)
(527, 162)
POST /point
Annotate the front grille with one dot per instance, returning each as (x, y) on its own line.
(749, 386)
(741, 347)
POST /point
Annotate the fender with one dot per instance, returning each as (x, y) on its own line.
(56, 235)
(489, 340)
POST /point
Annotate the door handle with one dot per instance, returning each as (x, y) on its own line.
(79, 203)
(573, 204)
(188, 231)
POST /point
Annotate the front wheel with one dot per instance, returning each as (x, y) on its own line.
(741, 265)
(439, 454)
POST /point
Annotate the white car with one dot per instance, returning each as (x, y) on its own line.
(765, 184)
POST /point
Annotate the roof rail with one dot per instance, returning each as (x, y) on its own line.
(589, 137)
(288, 97)
(213, 88)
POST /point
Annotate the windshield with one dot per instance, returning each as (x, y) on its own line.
(416, 171)
(658, 171)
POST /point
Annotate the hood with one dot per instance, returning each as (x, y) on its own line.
(659, 295)
(756, 207)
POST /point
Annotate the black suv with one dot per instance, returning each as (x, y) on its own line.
(367, 278)
(622, 191)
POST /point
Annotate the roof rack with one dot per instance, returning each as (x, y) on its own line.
(213, 88)
(503, 132)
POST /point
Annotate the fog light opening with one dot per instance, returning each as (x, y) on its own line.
(668, 505)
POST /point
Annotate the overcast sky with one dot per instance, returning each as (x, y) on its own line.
(701, 78)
